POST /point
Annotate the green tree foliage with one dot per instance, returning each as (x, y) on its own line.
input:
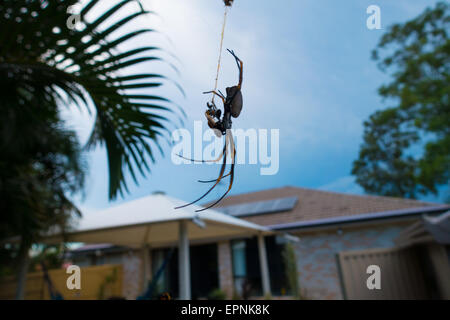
(290, 263)
(45, 65)
(52, 256)
(406, 149)
(37, 173)
(217, 294)
(40, 166)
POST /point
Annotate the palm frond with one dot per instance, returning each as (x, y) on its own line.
(40, 57)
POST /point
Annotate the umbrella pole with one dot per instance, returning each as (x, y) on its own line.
(264, 265)
(184, 262)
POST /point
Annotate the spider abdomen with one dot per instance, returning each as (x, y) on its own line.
(236, 103)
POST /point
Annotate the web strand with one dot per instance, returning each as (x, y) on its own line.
(220, 52)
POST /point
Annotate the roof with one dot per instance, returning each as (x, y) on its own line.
(316, 205)
(154, 220)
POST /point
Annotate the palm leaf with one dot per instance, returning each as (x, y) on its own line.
(41, 58)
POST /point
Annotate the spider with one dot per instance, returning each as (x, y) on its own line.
(232, 105)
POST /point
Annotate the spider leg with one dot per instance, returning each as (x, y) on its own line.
(235, 57)
(210, 181)
(240, 65)
(211, 122)
(233, 150)
(230, 185)
(218, 93)
(221, 96)
(222, 170)
(202, 161)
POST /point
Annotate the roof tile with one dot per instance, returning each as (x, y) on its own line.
(317, 204)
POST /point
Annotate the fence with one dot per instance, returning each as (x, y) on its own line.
(98, 282)
(401, 274)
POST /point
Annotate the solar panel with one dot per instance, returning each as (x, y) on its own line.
(260, 207)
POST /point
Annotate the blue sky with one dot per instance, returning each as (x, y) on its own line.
(308, 73)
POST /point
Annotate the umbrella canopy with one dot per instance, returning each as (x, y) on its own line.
(153, 220)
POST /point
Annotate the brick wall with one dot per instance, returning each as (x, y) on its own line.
(225, 268)
(316, 256)
(316, 260)
(132, 275)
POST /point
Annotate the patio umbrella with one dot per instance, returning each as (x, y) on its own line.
(153, 221)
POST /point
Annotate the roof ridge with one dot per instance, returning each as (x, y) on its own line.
(374, 196)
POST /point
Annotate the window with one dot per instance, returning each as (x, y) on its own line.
(239, 265)
(168, 280)
(277, 268)
(246, 268)
(247, 271)
(204, 270)
(203, 265)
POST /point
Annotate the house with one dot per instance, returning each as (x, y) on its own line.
(341, 235)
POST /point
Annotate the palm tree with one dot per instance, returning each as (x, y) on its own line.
(46, 64)
(39, 54)
(37, 175)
